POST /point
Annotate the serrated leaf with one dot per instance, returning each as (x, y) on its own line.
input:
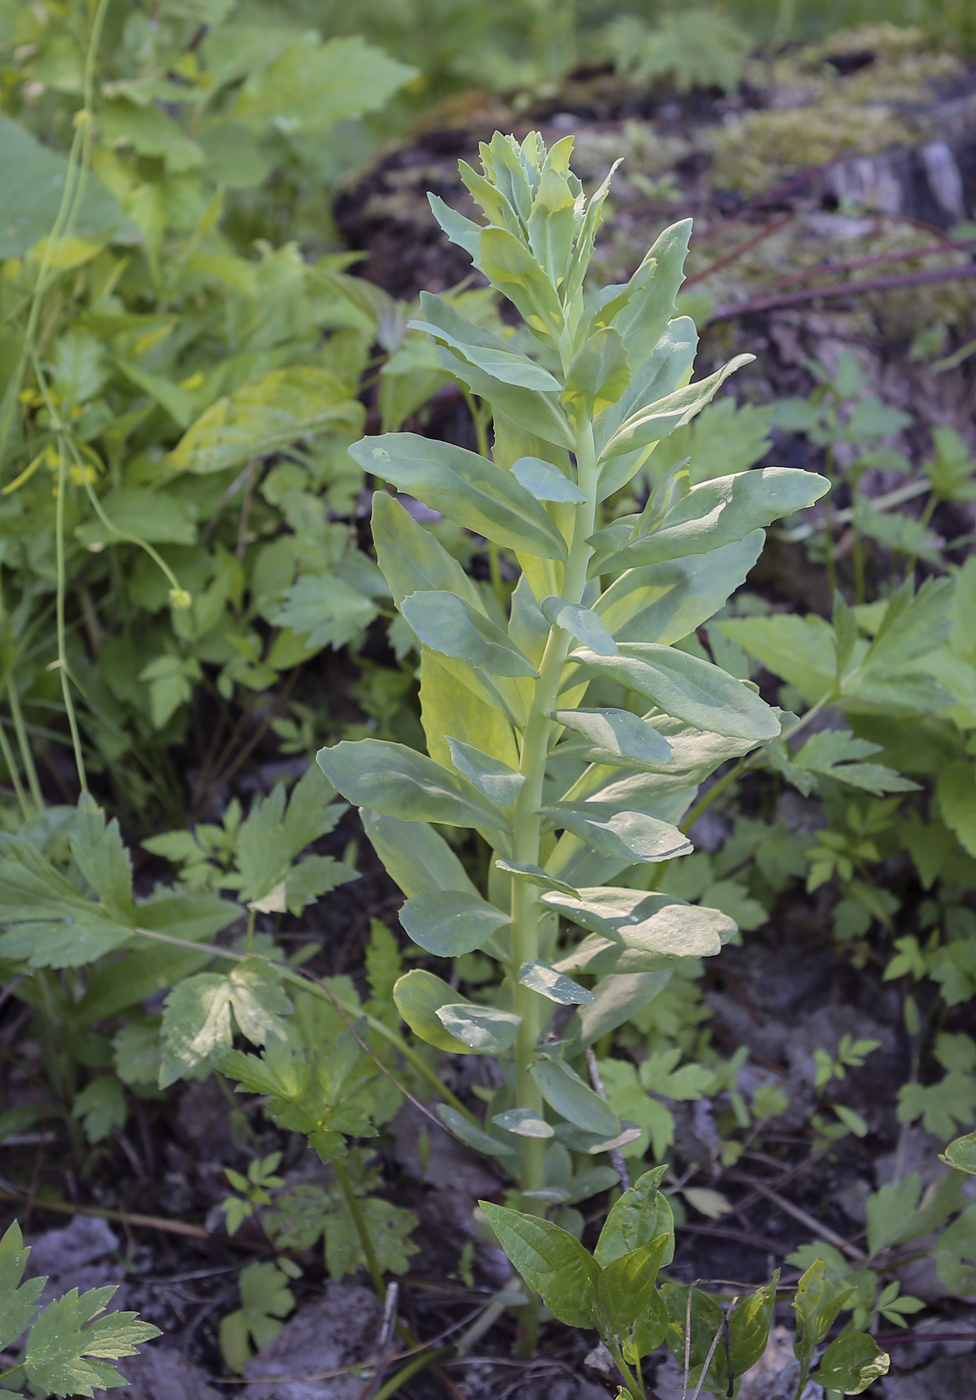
(553, 1263)
(61, 1347)
(197, 1027)
(18, 1302)
(311, 85)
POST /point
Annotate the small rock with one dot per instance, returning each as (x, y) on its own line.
(339, 1330)
(159, 1373)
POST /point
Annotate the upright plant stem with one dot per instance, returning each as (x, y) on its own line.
(526, 832)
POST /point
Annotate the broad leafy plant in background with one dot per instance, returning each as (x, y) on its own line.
(186, 387)
(566, 796)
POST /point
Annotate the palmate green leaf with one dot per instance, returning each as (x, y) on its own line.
(956, 791)
(961, 1154)
(553, 1263)
(325, 609)
(471, 490)
(415, 856)
(565, 1091)
(18, 1302)
(103, 859)
(155, 516)
(398, 782)
(449, 625)
(630, 836)
(197, 1027)
(62, 1347)
(57, 927)
(101, 1107)
(686, 687)
(449, 923)
(284, 407)
(311, 85)
(836, 753)
(719, 512)
(616, 737)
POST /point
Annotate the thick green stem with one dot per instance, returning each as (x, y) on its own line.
(526, 843)
(527, 823)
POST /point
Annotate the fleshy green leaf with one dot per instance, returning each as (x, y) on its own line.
(616, 736)
(563, 1090)
(399, 782)
(449, 625)
(581, 623)
(471, 490)
(449, 923)
(688, 688)
(552, 984)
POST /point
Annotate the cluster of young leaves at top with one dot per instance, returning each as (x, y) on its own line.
(567, 796)
(617, 1291)
(68, 1347)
